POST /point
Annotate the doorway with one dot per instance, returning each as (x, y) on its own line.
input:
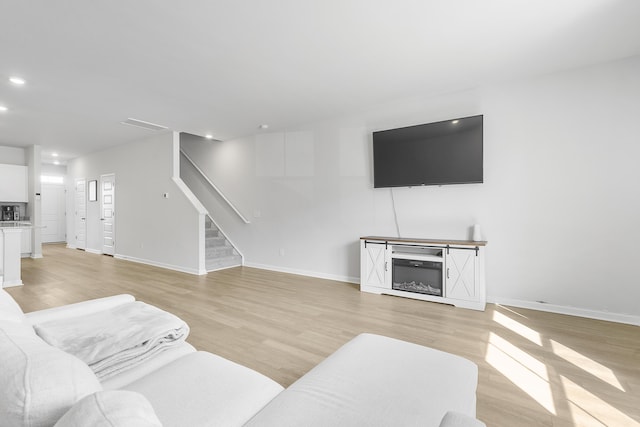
(81, 214)
(53, 213)
(108, 213)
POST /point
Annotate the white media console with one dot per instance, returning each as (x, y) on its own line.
(445, 271)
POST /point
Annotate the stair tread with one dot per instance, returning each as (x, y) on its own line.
(215, 254)
(216, 241)
(219, 252)
(224, 262)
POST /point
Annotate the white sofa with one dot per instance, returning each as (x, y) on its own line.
(370, 381)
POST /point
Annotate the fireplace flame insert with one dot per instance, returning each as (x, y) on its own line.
(420, 276)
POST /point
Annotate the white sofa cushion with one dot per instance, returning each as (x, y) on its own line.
(9, 308)
(376, 381)
(111, 408)
(202, 389)
(456, 419)
(39, 383)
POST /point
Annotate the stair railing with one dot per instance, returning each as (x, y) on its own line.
(217, 190)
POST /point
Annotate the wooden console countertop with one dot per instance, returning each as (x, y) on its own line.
(426, 241)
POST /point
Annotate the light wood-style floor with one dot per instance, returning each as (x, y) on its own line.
(536, 368)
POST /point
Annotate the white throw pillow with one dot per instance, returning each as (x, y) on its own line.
(39, 383)
(111, 408)
(9, 308)
(456, 419)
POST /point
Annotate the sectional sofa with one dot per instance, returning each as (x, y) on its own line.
(371, 381)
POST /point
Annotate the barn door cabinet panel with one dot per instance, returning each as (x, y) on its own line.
(374, 266)
(462, 274)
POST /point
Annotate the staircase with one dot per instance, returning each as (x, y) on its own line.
(219, 253)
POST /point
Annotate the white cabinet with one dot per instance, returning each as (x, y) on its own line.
(10, 256)
(13, 183)
(453, 270)
(374, 265)
(25, 243)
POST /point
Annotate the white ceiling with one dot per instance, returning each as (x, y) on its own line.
(225, 67)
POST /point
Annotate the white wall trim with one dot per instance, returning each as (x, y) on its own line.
(161, 265)
(570, 311)
(11, 284)
(305, 273)
(93, 251)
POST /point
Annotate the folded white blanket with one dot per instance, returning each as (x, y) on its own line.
(115, 339)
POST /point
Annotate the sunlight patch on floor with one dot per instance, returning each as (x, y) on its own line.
(521, 369)
(582, 418)
(539, 378)
(518, 328)
(587, 364)
(522, 357)
(586, 404)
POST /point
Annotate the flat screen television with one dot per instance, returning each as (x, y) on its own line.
(446, 152)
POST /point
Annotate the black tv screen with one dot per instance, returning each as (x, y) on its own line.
(446, 152)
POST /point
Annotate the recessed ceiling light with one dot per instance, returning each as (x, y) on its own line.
(17, 81)
(3, 108)
(264, 126)
(55, 162)
(455, 122)
(208, 136)
(54, 154)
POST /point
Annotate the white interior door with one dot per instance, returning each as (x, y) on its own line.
(53, 213)
(81, 214)
(108, 213)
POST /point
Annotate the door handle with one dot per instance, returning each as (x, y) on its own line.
(447, 273)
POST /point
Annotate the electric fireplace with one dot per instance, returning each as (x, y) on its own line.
(417, 275)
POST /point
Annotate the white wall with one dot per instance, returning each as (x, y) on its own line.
(34, 206)
(53, 170)
(13, 156)
(559, 206)
(149, 228)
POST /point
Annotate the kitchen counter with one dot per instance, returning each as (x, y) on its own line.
(15, 224)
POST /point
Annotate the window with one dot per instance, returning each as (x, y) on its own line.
(50, 179)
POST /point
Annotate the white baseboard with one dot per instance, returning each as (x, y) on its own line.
(93, 251)
(161, 265)
(551, 308)
(11, 283)
(571, 311)
(304, 273)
